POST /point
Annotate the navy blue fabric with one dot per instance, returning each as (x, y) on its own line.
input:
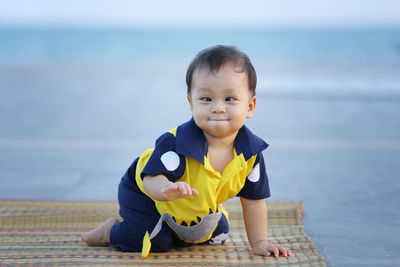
(191, 142)
(259, 189)
(154, 166)
(248, 143)
(139, 215)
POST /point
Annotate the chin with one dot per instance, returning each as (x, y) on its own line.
(220, 131)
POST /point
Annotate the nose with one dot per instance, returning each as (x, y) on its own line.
(218, 107)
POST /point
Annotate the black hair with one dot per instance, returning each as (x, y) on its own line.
(214, 57)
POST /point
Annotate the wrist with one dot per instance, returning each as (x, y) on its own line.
(252, 244)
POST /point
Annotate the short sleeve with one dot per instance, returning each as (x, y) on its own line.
(256, 185)
(164, 159)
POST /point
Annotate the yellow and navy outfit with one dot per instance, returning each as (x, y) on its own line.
(182, 155)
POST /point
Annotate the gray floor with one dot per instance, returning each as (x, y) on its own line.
(70, 132)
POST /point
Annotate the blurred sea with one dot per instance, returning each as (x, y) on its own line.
(333, 61)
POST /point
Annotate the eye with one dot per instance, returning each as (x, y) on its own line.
(205, 98)
(230, 98)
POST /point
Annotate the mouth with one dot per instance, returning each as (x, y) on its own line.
(218, 119)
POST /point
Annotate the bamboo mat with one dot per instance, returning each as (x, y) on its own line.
(47, 233)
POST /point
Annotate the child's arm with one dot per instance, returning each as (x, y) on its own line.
(255, 220)
(161, 189)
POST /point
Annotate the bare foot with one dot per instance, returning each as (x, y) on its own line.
(99, 237)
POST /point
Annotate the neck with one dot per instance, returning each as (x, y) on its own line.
(220, 142)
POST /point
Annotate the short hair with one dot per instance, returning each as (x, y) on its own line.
(214, 57)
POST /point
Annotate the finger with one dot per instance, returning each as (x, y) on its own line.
(182, 189)
(275, 250)
(283, 251)
(195, 192)
(188, 189)
(289, 253)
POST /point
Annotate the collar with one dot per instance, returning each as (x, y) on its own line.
(191, 142)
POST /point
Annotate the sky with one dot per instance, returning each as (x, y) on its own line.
(205, 13)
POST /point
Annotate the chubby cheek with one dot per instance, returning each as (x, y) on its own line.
(238, 122)
(199, 114)
(200, 120)
(238, 116)
(199, 110)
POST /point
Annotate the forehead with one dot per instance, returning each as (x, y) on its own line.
(229, 73)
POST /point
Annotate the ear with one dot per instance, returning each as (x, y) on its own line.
(252, 107)
(190, 103)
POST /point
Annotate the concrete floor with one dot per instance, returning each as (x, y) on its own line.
(71, 134)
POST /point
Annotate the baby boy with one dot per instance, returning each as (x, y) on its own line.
(172, 195)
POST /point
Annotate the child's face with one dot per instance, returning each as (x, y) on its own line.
(221, 102)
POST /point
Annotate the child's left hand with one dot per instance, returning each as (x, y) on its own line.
(264, 248)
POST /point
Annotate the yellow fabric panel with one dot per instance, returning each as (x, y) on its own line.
(173, 131)
(139, 167)
(214, 188)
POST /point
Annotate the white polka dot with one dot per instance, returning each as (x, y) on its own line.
(170, 160)
(254, 175)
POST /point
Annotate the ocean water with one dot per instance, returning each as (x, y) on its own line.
(345, 61)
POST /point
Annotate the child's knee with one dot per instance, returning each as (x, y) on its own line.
(123, 237)
(161, 245)
(163, 241)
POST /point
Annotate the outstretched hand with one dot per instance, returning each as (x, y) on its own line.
(178, 190)
(264, 248)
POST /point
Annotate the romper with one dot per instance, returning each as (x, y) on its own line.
(182, 155)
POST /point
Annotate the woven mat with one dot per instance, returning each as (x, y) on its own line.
(36, 233)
